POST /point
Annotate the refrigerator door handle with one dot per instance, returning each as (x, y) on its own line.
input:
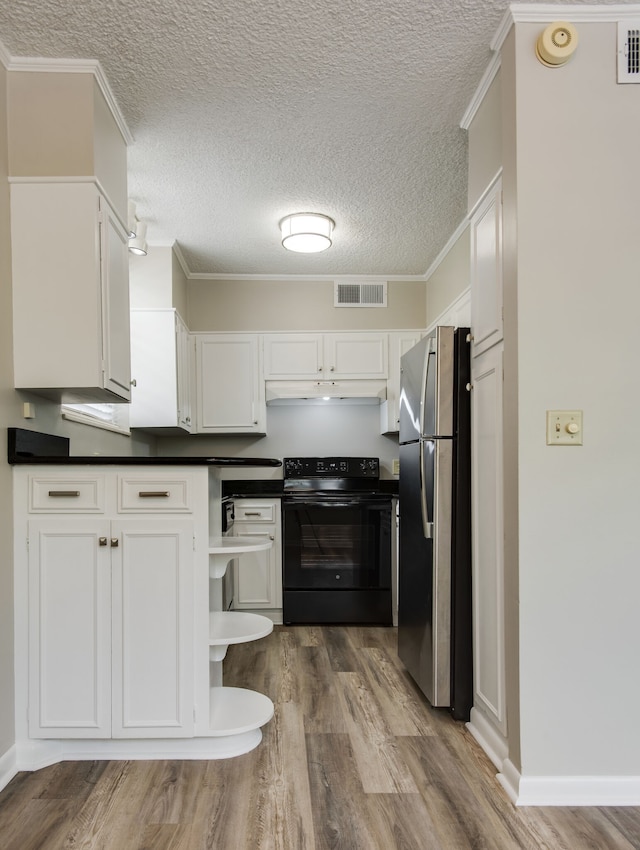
(427, 519)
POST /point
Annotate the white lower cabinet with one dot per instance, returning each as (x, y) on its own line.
(120, 636)
(110, 642)
(258, 574)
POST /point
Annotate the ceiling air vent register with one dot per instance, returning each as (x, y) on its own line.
(629, 52)
(362, 294)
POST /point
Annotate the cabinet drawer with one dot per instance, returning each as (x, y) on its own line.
(150, 495)
(247, 511)
(66, 495)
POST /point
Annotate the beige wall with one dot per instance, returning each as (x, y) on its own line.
(110, 153)
(450, 278)
(574, 154)
(50, 124)
(485, 140)
(61, 126)
(248, 305)
(179, 288)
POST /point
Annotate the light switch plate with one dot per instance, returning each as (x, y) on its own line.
(564, 427)
(396, 466)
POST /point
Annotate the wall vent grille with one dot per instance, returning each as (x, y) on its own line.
(628, 52)
(361, 294)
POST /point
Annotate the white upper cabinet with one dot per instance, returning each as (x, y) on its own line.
(486, 271)
(229, 385)
(329, 356)
(293, 356)
(70, 293)
(399, 343)
(160, 368)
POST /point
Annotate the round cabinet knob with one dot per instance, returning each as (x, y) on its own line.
(572, 427)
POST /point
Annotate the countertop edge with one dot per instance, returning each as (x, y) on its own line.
(113, 460)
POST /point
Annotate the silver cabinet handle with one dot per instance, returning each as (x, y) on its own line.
(102, 541)
(114, 542)
(252, 513)
(153, 494)
(62, 493)
(272, 537)
(133, 382)
(332, 369)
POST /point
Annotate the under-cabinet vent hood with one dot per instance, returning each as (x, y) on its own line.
(347, 392)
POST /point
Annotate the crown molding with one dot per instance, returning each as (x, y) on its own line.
(75, 66)
(318, 278)
(541, 13)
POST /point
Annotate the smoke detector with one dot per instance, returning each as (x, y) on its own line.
(557, 44)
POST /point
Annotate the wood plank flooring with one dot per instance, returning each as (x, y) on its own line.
(354, 759)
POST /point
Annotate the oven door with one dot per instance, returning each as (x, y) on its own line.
(336, 543)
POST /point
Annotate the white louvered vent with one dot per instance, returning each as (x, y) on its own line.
(629, 51)
(361, 294)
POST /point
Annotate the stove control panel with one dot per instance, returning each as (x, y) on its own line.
(331, 467)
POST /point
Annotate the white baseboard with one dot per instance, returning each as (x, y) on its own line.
(491, 741)
(8, 767)
(36, 754)
(569, 790)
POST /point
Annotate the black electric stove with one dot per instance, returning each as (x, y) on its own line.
(337, 541)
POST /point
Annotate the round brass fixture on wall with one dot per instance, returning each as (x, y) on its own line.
(557, 44)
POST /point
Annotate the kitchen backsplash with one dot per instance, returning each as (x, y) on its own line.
(301, 430)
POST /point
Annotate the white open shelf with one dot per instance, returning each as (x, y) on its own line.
(224, 549)
(227, 627)
(234, 711)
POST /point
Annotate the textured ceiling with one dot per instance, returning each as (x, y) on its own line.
(243, 111)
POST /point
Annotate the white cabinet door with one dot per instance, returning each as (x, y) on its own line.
(349, 355)
(487, 537)
(69, 628)
(355, 355)
(70, 293)
(486, 272)
(152, 628)
(399, 343)
(230, 389)
(293, 356)
(110, 628)
(186, 417)
(255, 572)
(116, 336)
(258, 575)
(161, 394)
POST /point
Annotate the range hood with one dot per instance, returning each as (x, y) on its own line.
(325, 392)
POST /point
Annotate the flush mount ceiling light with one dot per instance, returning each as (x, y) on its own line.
(306, 233)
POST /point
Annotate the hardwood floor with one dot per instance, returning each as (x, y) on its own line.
(354, 759)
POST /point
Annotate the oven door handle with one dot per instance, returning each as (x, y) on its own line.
(330, 503)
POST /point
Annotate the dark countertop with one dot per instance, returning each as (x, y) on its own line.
(35, 448)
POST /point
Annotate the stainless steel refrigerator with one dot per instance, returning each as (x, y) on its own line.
(434, 578)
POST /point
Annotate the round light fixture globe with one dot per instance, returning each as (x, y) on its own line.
(306, 233)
